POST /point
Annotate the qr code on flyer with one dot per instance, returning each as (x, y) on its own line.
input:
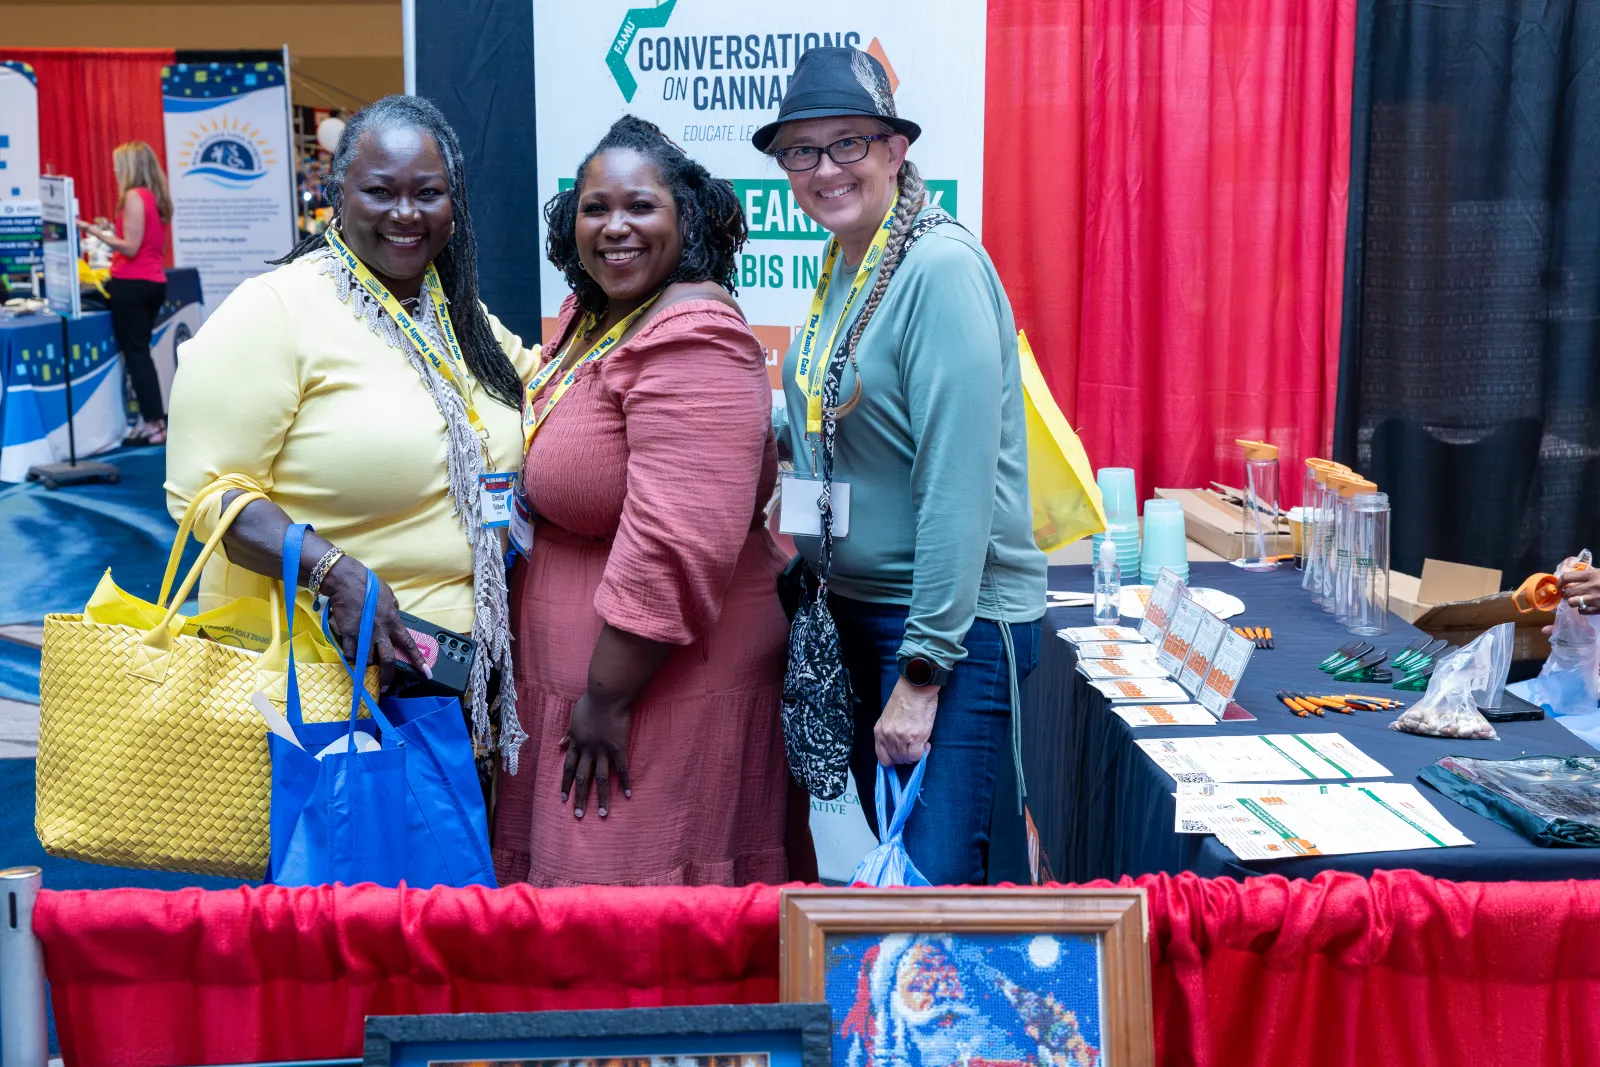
(1195, 826)
(1196, 777)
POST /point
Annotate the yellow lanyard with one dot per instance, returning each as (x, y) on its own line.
(452, 367)
(531, 420)
(809, 372)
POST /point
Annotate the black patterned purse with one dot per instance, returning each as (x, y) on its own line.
(818, 701)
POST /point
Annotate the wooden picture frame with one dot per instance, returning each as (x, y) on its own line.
(1116, 920)
(781, 1035)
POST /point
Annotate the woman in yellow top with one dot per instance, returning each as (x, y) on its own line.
(302, 384)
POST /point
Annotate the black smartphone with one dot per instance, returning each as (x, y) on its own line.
(447, 654)
(1513, 709)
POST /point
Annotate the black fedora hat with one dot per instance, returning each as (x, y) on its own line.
(832, 82)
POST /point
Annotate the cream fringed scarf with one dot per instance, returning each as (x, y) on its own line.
(491, 618)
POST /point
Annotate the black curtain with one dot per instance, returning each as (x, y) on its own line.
(1469, 377)
(474, 59)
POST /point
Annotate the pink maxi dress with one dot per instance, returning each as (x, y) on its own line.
(648, 483)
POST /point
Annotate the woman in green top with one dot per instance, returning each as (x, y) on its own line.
(937, 588)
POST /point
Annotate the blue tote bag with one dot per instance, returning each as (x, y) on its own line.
(334, 819)
(889, 864)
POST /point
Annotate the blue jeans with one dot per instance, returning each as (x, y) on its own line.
(947, 837)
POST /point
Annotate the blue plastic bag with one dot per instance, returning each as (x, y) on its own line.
(447, 825)
(410, 811)
(888, 864)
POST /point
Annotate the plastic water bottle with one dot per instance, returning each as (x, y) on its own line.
(1107, 587)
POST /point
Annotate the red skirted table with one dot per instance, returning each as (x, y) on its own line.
(1398, 968)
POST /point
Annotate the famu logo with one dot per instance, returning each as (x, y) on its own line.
(226, 152)
(715, 72)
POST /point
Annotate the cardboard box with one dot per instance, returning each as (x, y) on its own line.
(1210, 521)
(1456, 602)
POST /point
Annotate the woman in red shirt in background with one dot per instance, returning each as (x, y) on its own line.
(138, 285)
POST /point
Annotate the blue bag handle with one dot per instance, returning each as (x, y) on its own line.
(293, 544)
(294, 539)
(358, 681)
(904, 798)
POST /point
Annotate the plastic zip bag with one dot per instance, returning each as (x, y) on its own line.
(1468, 678)
(1569, 684)
(888, 864)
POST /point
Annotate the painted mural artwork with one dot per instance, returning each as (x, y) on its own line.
(975, 1000)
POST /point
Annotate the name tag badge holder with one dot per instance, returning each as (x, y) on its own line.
(521, 526)
(494, 500)
(800, 507)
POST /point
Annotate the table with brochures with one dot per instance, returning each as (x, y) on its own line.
(1105, 808)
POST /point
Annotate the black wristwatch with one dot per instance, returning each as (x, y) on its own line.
(921, 671)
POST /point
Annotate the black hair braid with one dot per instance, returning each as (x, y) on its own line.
(913, 197)
(458, 263)
(710, 218)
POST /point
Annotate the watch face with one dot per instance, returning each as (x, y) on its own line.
(918, 671)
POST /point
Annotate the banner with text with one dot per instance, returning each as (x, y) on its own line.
(20, 237)
(711, 72)
(231, 170)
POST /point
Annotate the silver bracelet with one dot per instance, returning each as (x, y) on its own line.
(320, 571)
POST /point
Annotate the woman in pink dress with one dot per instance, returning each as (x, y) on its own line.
(138, 284)
(649, 637)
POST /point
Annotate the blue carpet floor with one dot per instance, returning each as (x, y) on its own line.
(19, 672)
(58, 543)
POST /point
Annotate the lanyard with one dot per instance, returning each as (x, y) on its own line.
(447, 365)
(809, 372)
(531, 421)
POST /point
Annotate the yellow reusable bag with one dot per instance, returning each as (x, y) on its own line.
(1066, 499)
(150, 752)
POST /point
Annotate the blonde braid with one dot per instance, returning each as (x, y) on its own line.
(913, 197)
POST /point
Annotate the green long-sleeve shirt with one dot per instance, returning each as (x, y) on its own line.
(936, 453)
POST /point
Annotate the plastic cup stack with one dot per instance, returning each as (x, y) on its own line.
(1122, 517)
(1166, 543)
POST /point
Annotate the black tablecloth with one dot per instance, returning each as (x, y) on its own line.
(1104, 809)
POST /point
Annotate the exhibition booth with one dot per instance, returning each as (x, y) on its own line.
(1310, 330)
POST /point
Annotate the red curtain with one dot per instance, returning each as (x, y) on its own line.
(1164, 197)
(1339, 971)
(90, 101)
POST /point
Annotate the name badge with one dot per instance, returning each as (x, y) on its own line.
(521, 526)
(800, 507)
(494, 499)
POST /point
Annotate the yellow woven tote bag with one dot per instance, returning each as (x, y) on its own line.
(150, 752)
(1066, 499)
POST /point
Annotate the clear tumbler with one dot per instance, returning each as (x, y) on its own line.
(1333, 515)
(1370, 564)
(1311, 519)
(1259, 516)
(1344, 590)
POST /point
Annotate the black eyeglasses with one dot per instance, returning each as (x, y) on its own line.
(806, 157)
